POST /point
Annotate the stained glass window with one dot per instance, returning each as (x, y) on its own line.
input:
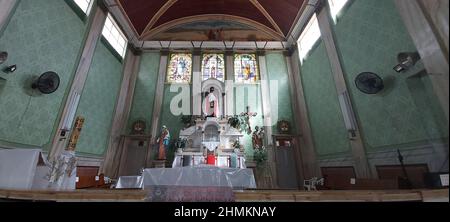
(180, 67)
(246, 68)
(213, 66)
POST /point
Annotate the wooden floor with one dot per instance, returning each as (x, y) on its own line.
(241, 196)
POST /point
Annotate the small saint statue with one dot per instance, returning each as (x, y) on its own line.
(257, 138)
(163, 142)
(211, 104)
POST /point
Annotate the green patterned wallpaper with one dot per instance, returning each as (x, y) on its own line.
(325, 116)
(168, 119)
(369, 36)
(277, 70)
(145, 89)
(98, 101)
(41, 36)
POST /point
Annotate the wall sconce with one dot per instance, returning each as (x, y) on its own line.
(406, 61)
(347, 112)
(74, 99)
(10, 69)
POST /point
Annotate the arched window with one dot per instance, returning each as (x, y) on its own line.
(245, 68)
(213, 66)
(180, 68)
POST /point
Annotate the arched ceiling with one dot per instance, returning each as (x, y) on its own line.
(164, 19)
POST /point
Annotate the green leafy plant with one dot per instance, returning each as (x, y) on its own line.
(240, 123)
(260, 156)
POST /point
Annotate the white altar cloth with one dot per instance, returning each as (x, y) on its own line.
(200, 176)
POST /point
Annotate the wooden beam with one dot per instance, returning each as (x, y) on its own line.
(122, 111)
(310, 166)
(6, 8)
(361, 163)
(267, 15)
(159, 96)
(266, 99)
(80, 77)
(426, 37)
(158, 15)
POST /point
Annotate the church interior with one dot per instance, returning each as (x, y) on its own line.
(252, 100)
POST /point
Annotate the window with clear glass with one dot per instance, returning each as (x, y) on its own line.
(336, 7)
(309, 37)
(115, 36)
(180, 68)
(246, 68)
(213, 67)
(84, 5)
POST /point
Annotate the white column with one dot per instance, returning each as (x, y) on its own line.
(425, 34)
(362, 168)
(307, 159)
(267, 117)
(6, 8)
(229, 87)
(92, 39)
(197, 84)
(121, 114)
(157, 106)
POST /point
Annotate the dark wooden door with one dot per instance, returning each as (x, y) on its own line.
(287, 174)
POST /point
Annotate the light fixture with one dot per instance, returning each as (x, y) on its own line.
(406, 61)
(10, 69)
(348, 114)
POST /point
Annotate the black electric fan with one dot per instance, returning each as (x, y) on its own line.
(47, 83)
(369, 83)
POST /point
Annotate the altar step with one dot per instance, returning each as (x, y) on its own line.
(240, 196)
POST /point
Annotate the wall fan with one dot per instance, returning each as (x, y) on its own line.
(369, 83)
(47, 83)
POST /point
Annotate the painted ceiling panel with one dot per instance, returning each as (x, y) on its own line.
(140, 12)
(280, 13)
(283, 12)
(185, 8)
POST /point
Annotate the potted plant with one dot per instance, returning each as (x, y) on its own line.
(260, 156)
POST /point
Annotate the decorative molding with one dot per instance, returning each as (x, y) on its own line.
(267, 15)
(158, 15)
(166, 26)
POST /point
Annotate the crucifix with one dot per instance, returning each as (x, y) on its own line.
(246, 117)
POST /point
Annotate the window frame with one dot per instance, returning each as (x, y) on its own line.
(203, 54)
(121, 34)
(258, 69)
(78, 11)
(169, 59)
(314, 45)
(341, 11)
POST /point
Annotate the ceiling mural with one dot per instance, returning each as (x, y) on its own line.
(212, 31)
(227, 20)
